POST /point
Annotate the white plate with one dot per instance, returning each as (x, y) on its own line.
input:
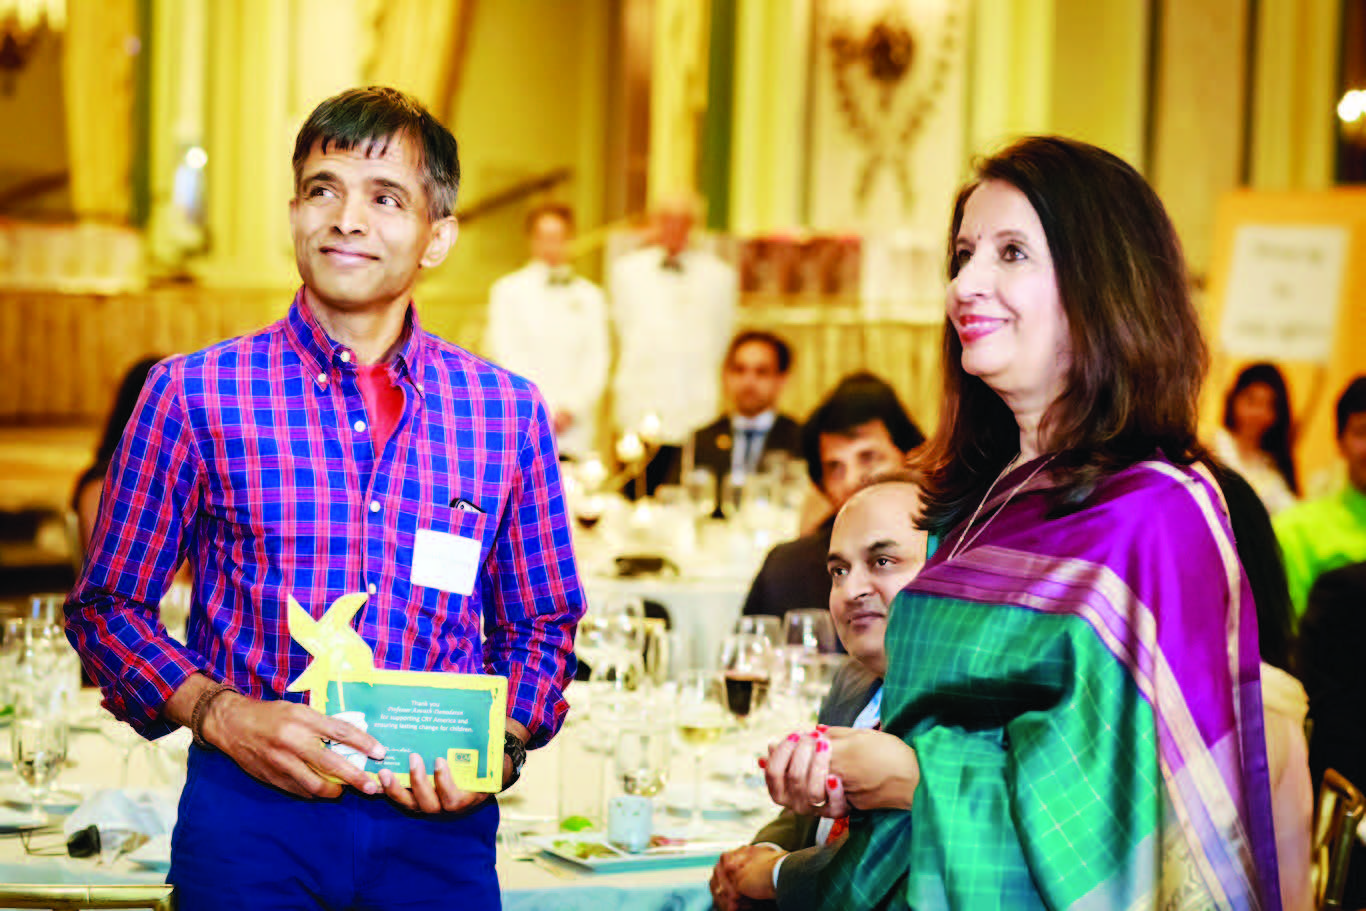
(15, 820)
(59, 800)
(154, 855)
(564, 846)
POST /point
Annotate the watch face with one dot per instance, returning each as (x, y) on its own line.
(514, 749)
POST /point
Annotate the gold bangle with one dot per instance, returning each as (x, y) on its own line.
(201, 711)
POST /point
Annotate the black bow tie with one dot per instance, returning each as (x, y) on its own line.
(671, 264)
(560, 278)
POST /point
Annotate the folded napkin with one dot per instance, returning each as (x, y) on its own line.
(146, 811)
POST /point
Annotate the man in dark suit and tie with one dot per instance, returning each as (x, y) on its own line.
(875, 551)
(860, 430)
(756, 370)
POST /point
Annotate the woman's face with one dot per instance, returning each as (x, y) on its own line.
(1254, 410)
(1004, 300)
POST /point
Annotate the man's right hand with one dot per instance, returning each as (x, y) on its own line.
(743, 877)
(278, 742)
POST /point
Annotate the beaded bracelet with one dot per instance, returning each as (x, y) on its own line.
(201, 709)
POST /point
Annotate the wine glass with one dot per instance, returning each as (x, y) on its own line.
(700, 488)
(765, 625)
(747, 667)
(732, 495)
(39, 743)
(588, 511)
(811, 630)
(643, 756)
(701, 720)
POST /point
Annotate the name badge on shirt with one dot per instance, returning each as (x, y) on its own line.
(445, 561)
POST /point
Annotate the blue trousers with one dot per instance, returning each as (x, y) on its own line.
(241, 844)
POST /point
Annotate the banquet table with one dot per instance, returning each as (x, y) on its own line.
(529, 880)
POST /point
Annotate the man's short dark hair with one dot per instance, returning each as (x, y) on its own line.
(781, 349)
(368, 119)
(1352, 401)
(859, 399)
(559, 210)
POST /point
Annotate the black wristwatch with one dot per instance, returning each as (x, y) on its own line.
(514, 749)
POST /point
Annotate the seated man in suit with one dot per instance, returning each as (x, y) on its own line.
(755, 372)
(1332, 634)
(875, 550)
(859, 430)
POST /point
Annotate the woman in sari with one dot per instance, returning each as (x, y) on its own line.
(1072, 713)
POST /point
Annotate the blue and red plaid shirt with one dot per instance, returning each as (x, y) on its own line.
(253, 460)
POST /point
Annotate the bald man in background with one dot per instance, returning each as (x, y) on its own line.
(875, 551)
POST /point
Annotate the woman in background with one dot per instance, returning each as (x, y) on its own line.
(85, 498)
(1256, 438)
(1072, 713)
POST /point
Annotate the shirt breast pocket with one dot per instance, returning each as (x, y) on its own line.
(450, 556)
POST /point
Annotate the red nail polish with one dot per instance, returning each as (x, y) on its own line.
(832, 782)
(793, 738)
(815, 733)
(763, 763)
(822, 728)
(823, 746)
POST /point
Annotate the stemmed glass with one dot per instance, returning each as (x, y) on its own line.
(810, 630)
(39, 743)
(643, 756)
(765, 625)
(732, 496)
(700, 489)
(701, 721)
(747, 666)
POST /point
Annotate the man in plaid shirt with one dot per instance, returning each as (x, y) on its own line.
(340, 449)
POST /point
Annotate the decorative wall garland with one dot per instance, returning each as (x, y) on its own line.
(888, 51)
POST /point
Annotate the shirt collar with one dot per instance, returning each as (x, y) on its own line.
(323, 356)
(762, 422)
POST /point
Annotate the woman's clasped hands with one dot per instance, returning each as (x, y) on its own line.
(829, 770)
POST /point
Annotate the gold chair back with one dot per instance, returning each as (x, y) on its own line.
(73, 898)
(1341, 808)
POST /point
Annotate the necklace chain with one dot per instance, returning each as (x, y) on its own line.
(965, 541)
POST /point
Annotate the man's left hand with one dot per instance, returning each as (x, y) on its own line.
(429, 794)
(437, 793)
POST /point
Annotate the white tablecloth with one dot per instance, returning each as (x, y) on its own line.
(527, 883)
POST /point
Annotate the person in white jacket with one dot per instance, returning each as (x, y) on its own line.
(673, 309)
(550, 325)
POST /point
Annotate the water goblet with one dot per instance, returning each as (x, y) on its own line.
(39, 744)
(701, 720)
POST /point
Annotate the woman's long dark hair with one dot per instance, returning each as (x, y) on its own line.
(1137, 356)
(1255, 540)
(125, 400)
(1276, 441)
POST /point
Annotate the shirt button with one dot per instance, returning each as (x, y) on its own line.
(374, 505)
(322, 379)
(372, 588)
(419, 388)
(346, 357)
(359, 426)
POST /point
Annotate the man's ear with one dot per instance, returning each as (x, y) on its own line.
(444, 233)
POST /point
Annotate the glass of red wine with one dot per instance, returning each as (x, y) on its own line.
(746, 668)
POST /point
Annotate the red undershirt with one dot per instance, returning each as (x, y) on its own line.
(383, 403)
